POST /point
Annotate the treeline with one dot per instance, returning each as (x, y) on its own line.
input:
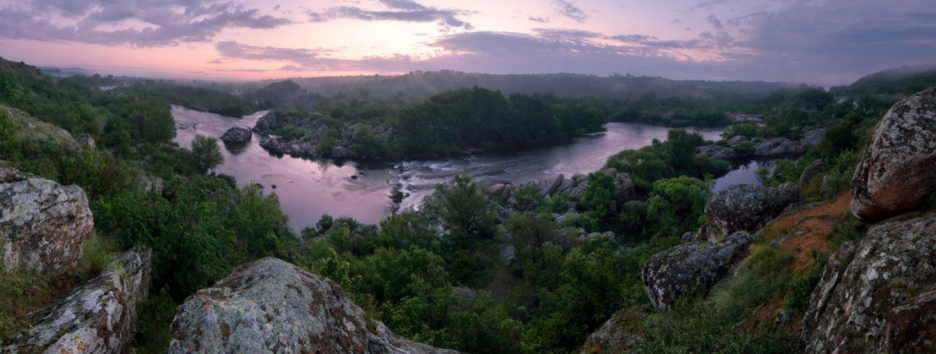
(478, 118)
(206, 99)
(419, 85)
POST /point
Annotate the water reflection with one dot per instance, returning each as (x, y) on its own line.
(308, 188)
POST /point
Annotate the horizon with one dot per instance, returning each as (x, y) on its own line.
(794, 41)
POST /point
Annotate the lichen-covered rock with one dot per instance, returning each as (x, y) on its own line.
(270, 306)
(897, 170)
(876, 295)
(743, 207)
(236, 135)
(43, 224)
(615, 336)
(95, 317)
(693, 267)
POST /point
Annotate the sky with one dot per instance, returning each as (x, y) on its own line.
(820, 42)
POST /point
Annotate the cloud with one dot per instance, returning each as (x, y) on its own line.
(715, 22)
(406, 11)
(163, 22)
(854, 38)
(569, 10)
(539, 19)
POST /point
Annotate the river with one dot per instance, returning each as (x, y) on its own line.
(309, 188)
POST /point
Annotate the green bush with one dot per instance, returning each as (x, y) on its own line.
(800, 288)
(679, 202)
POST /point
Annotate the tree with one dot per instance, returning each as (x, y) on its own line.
(679, 202)
(460, 208)
(206, 152)
(599, 194)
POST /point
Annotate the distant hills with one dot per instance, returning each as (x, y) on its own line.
(419, 85)
(894, 82)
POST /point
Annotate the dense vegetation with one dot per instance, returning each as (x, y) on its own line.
(411, 271)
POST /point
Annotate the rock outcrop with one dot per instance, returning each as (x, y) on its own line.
(272, 306)
(877, 295)
(95, 317)
(743, 207)
(43, 224)
(777, 147)
(897, 170)
(613, 337)
(717, 151)
(812, 137)
(811, 172)
(263, 125)
(693, 267)
(236, 135)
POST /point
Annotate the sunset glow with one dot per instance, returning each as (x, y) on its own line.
(820, 42)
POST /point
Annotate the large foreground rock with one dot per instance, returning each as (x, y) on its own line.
(692, 267)
(743, 207)
(236, 135)
(95, 317)
(877, 295)
(898, 169)
(43, 225)
(270, 306)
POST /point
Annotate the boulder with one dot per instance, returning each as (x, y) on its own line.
(812, 137)
(272, 306)
(777, 147)
(693, 267)
(275, 146)
(95, 317)
(87, 140)
(736, 140)
(623, 185)
(896, 172)
(607, 236)
(236, 135)
(262, 126)
(151, 183)
(507, 255)
(811, 171)
(339, 152)
(876, 295)
(566, 186)
(743, 207)
(43, 225)
(496, 190)
(717, 151)
(615, 336)
(546, 186)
